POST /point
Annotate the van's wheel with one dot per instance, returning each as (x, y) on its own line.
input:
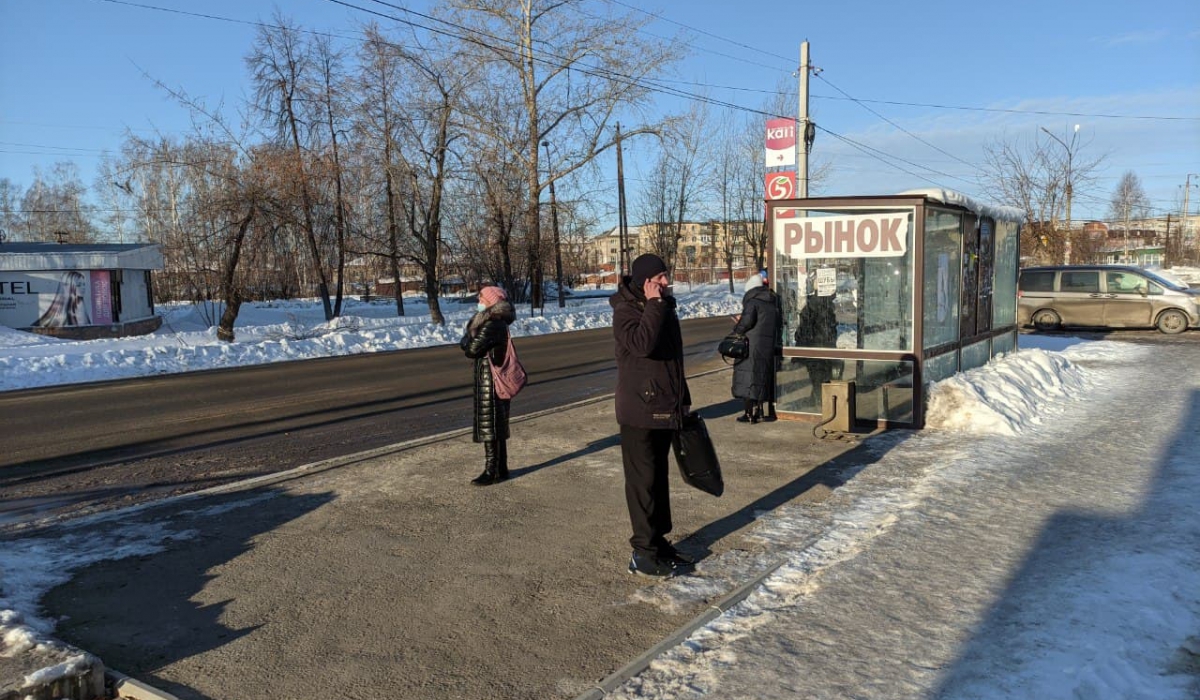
(1046, 320)
(1172, 321)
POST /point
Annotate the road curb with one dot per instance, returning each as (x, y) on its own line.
(311, 468)
(611, 682)
(134, 689)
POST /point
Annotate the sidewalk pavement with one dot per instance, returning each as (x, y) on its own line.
(391, 576)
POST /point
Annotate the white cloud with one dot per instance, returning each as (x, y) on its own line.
(1142, 37)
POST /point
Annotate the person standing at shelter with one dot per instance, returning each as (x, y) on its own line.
(486, 341)
(651, 399)
(754, 376)
(816, 327)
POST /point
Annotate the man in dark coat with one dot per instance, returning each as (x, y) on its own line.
(816, 327)
(486, 341)
(761, 323)
(651, 399)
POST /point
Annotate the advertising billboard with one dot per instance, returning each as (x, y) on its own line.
(55, 299)
(882, 235)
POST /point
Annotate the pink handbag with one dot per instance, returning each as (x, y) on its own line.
(509, 378)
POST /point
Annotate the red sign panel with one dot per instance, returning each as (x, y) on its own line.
(781, 185)
(780, 142)
(781, 133)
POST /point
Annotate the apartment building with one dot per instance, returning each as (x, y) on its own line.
(700, 251)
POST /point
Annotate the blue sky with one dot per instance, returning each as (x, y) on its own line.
(73, 78)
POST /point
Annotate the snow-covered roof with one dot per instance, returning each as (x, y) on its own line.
(944, 196)
(25, 257)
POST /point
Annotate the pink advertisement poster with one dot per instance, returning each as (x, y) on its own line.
(101, 297)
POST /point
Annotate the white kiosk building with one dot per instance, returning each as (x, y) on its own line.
(82, 291)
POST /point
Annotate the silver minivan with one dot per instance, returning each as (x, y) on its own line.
(1105, 296)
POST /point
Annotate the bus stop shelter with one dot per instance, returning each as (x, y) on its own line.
(882, 296)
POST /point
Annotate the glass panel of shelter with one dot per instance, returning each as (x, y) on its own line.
(847, 302)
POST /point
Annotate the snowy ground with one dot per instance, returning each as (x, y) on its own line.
(1039, 540)
(296, 330)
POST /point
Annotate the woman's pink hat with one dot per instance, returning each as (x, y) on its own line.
(491, 295)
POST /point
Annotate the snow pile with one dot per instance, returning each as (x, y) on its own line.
(1001, 398)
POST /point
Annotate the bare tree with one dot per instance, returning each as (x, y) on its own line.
(1128, 201)
(678, 180)
(114, 194)
(282, 67)
(574, 73)
(728, 161)
(10, 208)
(332, 103)
(380, 81)
(1032, 175)
(748, 198)
(422, 88)
(53, 207)
(656, 209)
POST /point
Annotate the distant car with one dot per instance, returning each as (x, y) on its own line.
(1104, 296)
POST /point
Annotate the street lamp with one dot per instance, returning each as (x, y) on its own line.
(1070, 156)
(554, 222)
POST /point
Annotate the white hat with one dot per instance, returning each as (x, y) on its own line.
(753, 281)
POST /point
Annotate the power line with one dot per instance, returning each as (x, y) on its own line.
(579, 66)
(973, 166)
(51, 153)
(699, 49)
(704, 32)
(231, 20)
(868, 149)
(649, 85)
(1018, 111)
(40, 145)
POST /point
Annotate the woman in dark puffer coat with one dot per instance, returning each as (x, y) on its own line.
(754, 377)
(486, 341)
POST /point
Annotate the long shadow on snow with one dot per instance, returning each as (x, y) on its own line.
(1064, 561)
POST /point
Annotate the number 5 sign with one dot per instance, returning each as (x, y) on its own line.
(781, 185)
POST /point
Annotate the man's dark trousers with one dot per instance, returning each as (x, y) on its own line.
(646, 456)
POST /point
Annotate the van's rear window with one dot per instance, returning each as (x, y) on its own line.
(1042, 281)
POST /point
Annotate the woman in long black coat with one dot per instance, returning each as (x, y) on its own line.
(486, 341)
(761, 323)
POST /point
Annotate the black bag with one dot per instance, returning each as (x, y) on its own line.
(696, 456)
(735, 347)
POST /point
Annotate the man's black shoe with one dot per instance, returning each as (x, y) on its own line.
(674, 555)
(651, 566)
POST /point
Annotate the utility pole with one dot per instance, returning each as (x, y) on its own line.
(1125, 255)
(622, 227)
(1167, 245)
(1183, 220)
(554, 223)
(804, 126)
(1070, 157)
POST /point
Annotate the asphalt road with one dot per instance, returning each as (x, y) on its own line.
(81, 448)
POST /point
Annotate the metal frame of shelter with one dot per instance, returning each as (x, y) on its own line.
(932, 300)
